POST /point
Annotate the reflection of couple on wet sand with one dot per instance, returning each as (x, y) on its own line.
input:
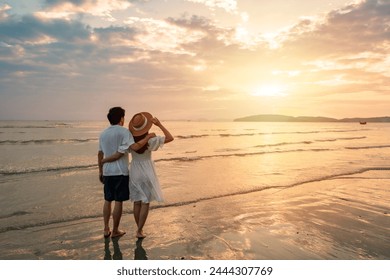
(136, 181)
(139, 251)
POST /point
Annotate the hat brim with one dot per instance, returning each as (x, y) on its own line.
(145, 129)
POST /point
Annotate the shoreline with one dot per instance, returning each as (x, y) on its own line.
(344, 218)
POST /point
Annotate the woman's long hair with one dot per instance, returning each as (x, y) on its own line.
(144, 147)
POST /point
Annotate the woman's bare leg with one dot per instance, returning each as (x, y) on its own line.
(136, 211)
(142, 219)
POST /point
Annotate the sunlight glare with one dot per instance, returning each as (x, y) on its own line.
(270, 91)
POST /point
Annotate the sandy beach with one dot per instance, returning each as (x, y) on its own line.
(344, 218)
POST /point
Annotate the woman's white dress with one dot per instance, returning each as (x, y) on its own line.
(144, 185)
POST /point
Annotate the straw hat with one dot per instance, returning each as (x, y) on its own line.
(140, 123)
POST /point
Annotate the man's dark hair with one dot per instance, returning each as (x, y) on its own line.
(115, 114)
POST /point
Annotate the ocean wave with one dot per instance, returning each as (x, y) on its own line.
(47, 223)
(283, 144)
(227, 150)
(262, 188)
(341, 138)
(46, 141)
(188, 159)
(10, 172)
(233, 153)
(191, 136)
(368, 147)
(55, 125)
(189, 202)
(310, 142)
(17, 213)
(70, 141)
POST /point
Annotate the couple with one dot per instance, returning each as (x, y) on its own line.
(122, 181)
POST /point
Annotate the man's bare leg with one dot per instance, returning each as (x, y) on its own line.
(116, 216)
(106, 217)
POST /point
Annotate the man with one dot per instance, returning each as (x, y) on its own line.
(115, 175)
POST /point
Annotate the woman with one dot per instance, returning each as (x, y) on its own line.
(144, 185)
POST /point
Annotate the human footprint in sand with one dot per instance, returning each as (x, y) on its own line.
(144, 185)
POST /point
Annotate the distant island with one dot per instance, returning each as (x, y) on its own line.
(282, 118)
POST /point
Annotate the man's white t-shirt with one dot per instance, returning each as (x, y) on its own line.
(114, 139)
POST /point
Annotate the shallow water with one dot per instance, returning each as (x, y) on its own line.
(48, 171)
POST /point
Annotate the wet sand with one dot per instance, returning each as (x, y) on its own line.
(346, 218)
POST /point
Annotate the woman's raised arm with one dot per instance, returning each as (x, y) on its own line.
(168, 135)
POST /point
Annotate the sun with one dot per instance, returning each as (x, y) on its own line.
(271, 90)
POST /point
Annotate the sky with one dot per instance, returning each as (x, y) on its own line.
(194, 59)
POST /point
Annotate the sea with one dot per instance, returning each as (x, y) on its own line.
(49, 174)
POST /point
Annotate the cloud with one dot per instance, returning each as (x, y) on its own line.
(344, 53)
(43, 54)
(228, 5)
(214, 37)
(30, 47)
(31, 30)
(3, 11)
(187, 61)
(161, 35)
(210, 31)
(353, 29)
(67, 8)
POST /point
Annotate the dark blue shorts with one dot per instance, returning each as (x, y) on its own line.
(116, 188)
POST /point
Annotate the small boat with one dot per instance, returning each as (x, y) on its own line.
(363, 122)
